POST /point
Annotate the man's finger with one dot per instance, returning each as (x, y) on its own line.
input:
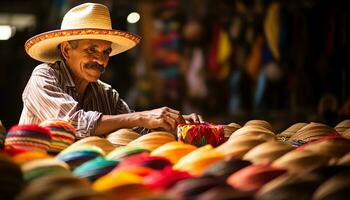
(178, 118)
(172, 110)
(200, 119)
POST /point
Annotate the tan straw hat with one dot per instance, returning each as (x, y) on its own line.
(85, 21)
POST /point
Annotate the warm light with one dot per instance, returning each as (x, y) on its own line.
(133, 17)
(6, 32)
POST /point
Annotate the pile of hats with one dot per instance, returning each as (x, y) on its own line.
(307, 160)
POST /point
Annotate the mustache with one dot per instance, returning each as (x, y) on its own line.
(96, 66)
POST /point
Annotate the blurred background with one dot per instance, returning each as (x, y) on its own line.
(228, 60)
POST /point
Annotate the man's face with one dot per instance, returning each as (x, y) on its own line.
(88, 59)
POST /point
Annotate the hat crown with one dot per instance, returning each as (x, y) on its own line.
(87, 16)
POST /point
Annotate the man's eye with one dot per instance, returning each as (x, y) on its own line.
(90, 50)
(107, 52)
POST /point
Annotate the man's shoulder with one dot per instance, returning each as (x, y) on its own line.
(46, 69)
(103, 85)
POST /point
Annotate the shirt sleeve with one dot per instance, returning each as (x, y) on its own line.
(122, 107)
(46, 100)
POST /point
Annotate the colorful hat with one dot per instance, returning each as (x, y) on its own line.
(164, 178)
(290, 186)
(28, 138)
(332, 146)
(173, 151)
(192, 187)
(122, 137)
(11, 177)
(144, 160)
(345, 160)
(95, 168)
(28, 156)
(259, 123)
(300, 161)
(253, 130)
(336, 187)
(225, 192)
(311, 132)
(85, 21)
(342, 126)
(199, 160)
(286, 134)
(224, 168)
(230, 128)
(116, 179)
(253, 177)
(346, 134)
(153, 140)
(123, 152)
(62, 132)
(267, 152)
(238, 146)
(43, 167)
(201, 134)
(77, 155)
(102, 143)
(59, 186)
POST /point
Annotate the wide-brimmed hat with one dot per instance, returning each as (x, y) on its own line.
(85, 21)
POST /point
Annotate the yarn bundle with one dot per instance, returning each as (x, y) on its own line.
(201, 134)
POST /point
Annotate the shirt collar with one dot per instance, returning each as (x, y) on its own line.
(66, 74)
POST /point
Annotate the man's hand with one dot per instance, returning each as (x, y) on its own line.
(193, 118)
(164, 117)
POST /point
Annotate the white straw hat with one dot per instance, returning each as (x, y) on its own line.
(85, 21)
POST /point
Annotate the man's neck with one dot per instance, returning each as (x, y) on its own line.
(80, 85)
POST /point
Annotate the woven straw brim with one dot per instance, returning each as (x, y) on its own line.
(43, 47)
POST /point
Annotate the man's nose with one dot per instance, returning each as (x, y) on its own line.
(101, 59)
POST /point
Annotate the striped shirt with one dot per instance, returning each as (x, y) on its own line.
(51, 94)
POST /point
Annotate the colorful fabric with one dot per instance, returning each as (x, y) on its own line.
(201, 134)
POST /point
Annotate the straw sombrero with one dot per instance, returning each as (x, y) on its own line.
(85, 21)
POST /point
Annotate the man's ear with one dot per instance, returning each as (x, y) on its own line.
(65, 48)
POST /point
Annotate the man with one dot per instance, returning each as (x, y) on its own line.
(67, 86)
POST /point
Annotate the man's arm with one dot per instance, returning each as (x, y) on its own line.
(165, 118)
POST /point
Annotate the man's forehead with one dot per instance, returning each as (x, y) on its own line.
(94, 42)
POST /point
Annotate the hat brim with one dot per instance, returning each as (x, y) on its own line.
(43, 47)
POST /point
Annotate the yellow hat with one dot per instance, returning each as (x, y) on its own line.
(85, 21)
